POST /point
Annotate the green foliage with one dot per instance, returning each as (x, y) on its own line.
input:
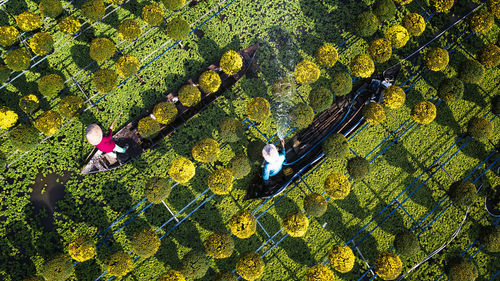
(295, 224)
(315, 204)
(341, 258)
(319, 272)
(414, 24)
(119, 264)
(388, 266)
(59, 268)
(451, 89)
(178, 29)
(495, 105)
(69, 25)
(70, 106)
(148, 127)
(380, 50)
(397, 35)
(219, 245)
(182, 170)
(194, 265)
(374, 113)
(481, 22)
(129, 29)
(462, 270)
(189, 95)
(230, 130)
(145, 243)
(206, 150)
(462, 193)
(50, 85)
(250, 266)
(165, 112)
(4, 73)
(406, 244)
(224, 276)
(327, 55)
(17, 59)
(320, 99)
(82, 248)
(24, 137)
(442, 6)
(231, 62)
(336, 146)
(173, 4)
(301, 116)
(489, 56)
(157, 189)
(362, 66)
(93, 10)
(424, 112)
(28, 21)
(490, 238)
(240, 166)
(28, 104)
(172, 275)
(394, 97)
(358, 168)
(436, 59)
(101, 49)
(152, 14)
(50, 8)
(104, 80)
(341, 83)
(366, 24)
(127, 66)
(243, 224)
(258, 109)
(306, 72)
(384, 9)
(471, 71)
(8, 118)
(49, 122)
(8, 35)
(254, 150)
(221, 181)
(480, 128)
(209, 81)
(337, 186)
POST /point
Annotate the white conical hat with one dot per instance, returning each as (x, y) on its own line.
(270, 153)
(94, 134)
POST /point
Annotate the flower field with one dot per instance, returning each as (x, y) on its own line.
(409, 184)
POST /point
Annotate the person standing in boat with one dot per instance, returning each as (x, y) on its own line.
(103, 143)
(273, 161)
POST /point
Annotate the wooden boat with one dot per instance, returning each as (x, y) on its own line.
(304, 150)
(129, 134)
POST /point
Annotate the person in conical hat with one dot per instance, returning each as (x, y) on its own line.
(105, 144)
(273, 160)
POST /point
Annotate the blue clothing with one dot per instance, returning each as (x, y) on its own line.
(272, 169)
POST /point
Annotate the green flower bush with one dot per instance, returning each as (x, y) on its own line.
(301, 116)
(17, 60)
(70, 106)
(8, 35)
(341, 83)
(148, 127)
(70, 25)
(358, 168)
(194, 265)
(165, 112)
(495, 105)
(394, 97)
(442, 6)
(414, 24)
(306, 72)
(283, 88)
(250, 266)
(480, 128)
(341, 258)
(384, 9)
(29, 104)
(319, 272)
(335, 146)
(374, 113)
(28, 21)
(172, 275)
(295, 224)
(481, 22)
(362, 66)
(82, 248)
(178, 29)
(436, 59)
(494, 7)
(320, 99)
(206, 150)
(327, 55)
(462, 270)
(366, 24)
(219, 245)
(119, 264)
(388, 266)
(50, 85)
(397, 35)
(243, 224)
(129, 30)
(152, 14)
(8, 118)
(462, 193)
(490, 238)
(145, 243)
(34, 278)
(221, 181)
(489, 56)
(59, 268)
(50, 8)
(4, 73)
(24, 137)
(254, 150)
(41, 43)
(104, 80)
(471, 71)
(101, 49)
(406, 244)
(49, 122)
(189, 95)
(173, 4)
(209, 81)
(380, 50)
(258, 109)
(230, 130)
(93, 10)
(424, 112)
(315, 204)
(240, 166)
(337, 186)
(231, 62)
(182, 170)
(127, 66)
(224, 276)
(451, 89)
(157, 189)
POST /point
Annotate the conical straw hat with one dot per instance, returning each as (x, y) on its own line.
(94, 134)
(270, 153)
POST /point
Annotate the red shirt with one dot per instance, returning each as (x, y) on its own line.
(107, 144)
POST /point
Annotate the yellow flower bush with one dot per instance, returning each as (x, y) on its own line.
(93, 10)
(105, 80)
(494, 6)
(306, 72)
(220, 181)
(231, 62)
(362, 66)
(69, 25)
(374, 113)
(482, 22)
(442, 6)
(82, 248)
(8, 118)
(172, 275)
(436, 59)
(28, 21)
(70, 106)
(129, 30)
(295, 224)
(148, 127)
(209, 81)
(189, 95)
(41, 43)
(29, 103)
(250, 266)
(380, 50)
(397, 35)
(165, 112)
(424, 112)
(145, 243)
(224, 276)
(182, 170)
(319, 272)
(173, 4)
(337, 185)
(50, 85)
(243, 224)
(327, 55)
(157, 189)
(8, 35)
(403, 2)
(394, 97)
(388, 266)
(315, 204)
(17, 60)
(414, 23)
(59, 268)
(50, 8)
(490, 55)
(219, 245)
(206, 150)
(258, 109)
(101, 49)
(341, 258)
(119, 264)
(127, 66)
(152, 14)
(49, 122)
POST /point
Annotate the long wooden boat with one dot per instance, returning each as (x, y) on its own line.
(304, 150)
(137, 145)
